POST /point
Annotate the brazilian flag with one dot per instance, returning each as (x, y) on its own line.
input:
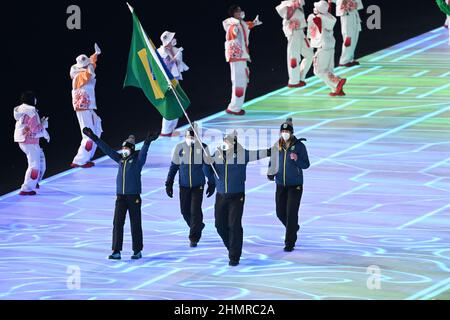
(147, 71)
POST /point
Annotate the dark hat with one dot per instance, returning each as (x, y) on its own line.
(130, 142)
(28, 97)
(287, 125)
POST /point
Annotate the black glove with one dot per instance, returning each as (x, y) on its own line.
(151, 136)
(169, 189)
(271, 177)
(211, 189)
(88, 132)
(269, 152)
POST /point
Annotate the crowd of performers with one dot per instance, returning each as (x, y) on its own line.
(310, 41)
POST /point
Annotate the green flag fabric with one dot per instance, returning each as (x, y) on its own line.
(147, 71)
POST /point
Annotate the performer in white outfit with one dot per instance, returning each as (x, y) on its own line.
(173, 58)
(238, 55)
(28, 130)
(84, 103)
(320, 31)
(347, 10)
(294, 24)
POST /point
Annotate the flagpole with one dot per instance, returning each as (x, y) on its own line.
(193, 128)
(177, 98)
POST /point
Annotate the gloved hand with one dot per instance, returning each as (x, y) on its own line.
(169, 189)
(151, 136)
(44, 122)
(91, 135)
(97, 49)
(271, 177)
(256, 22)
(211, 189)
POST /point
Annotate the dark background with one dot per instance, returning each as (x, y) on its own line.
(37, 52)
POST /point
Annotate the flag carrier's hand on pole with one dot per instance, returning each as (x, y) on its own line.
(195, 131)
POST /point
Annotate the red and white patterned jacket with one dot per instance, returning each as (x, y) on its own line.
(237, 39)
(293, 16)
(344, 7)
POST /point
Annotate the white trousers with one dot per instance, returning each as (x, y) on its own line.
(447, 23)
(86, 151)
(36, 166)
(350, 28)
(168, 126)
(298, 46)
(323, 67)
(239, 78)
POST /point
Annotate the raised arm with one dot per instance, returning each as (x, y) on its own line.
(142, 158)
(110, 152)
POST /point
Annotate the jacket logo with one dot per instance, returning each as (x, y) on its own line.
(292, 148)
(137, 201)
(242, 199)
(298, 188)
(131, 161)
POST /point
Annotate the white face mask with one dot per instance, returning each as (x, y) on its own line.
(126, 153)
(242, 15)
(189, 141)
(285, 136)
(174, 42)
(224, 146)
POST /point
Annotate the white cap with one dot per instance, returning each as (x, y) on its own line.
(83, 61)
(167, 37)
(322, 6)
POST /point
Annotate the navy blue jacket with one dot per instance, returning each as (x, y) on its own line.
(231, 167)
(128, 179)
(190, 163)
(289, 172)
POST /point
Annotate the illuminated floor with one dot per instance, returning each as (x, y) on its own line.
(378, 194)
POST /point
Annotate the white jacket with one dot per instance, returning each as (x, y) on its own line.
(237, 39)
(344, 7)
(321, 33)
(292, 19)
(83, 86)
(176, 67)
(22, 127)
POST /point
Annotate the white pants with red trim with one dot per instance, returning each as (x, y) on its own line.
(86, 151)
(323, 67)
(350, 28)
(239, 78)
(36, 166)
(168, 126)
(298, 46)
